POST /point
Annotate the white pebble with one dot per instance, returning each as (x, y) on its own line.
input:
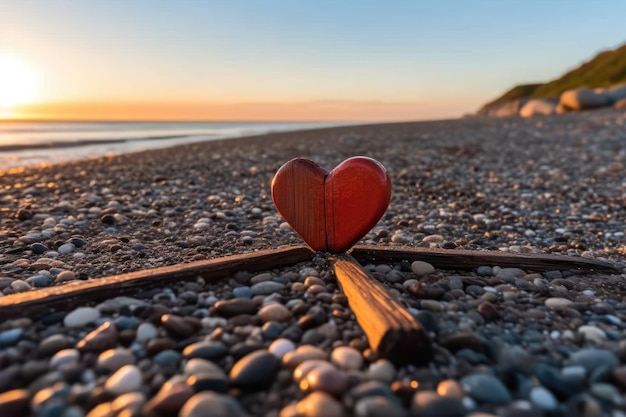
(347, 357)
(592, 333)
(543, 399)
(382, 370)
(280, 347)
(66, 248)
(422, 268)
(126, 379)
(201, 366)
(63, 357)
(81, 316)
(146, 331)
(557, 303)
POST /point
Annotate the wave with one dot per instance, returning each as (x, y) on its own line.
(90, 142)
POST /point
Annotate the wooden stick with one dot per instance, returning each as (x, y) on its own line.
(40, 302)
(468, 260)
(391, 331)
(66, 296)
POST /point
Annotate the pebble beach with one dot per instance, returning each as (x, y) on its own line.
(284, 343)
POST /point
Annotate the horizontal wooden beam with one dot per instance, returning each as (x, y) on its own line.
(459, 259)
(39, 302)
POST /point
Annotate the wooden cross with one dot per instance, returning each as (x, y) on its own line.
(331, 213)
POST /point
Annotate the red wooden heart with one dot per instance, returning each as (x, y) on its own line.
(332, 211)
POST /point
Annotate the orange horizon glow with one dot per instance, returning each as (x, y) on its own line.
(322, 110)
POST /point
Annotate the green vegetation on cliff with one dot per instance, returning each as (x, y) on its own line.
(519, 91)
(606, 69)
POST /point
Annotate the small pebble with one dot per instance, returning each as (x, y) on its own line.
(420, 268)
(543, 399)
(280, 347)
(81, 316)
(126, 379)
(346, 357)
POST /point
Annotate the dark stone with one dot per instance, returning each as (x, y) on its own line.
(465, 340)
(424, 291)
(208, 382)
(255, 369)
(488, 311)
(239, 350)
(78, 242)
(39, 281)
(428, 320)
(292, 333)
(315, 317)
(205, 350)
(235, 307)
(14, 403)
(272, 330)
(154, 346)
(108, 219)
(178, 325)
(38, 248)
(561, 387)
(23, 214)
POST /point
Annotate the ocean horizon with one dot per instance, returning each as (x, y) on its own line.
(36, 143)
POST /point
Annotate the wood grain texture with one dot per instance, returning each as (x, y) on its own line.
(468, 260)
(40, 302)
(391, 331)
(298, 194)
(331, 211)
(357, 195)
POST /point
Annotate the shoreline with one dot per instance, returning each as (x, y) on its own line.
(33, 144)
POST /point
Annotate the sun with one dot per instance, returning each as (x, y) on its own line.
(18, 83)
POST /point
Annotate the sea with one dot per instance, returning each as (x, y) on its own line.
(26, 144)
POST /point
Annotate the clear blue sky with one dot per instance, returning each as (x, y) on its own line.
(436, 58)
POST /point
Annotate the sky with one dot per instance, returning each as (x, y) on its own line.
(348, 60)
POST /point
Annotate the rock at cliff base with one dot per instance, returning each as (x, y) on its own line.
(538, 107)
(582, 99)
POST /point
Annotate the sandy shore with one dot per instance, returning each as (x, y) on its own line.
(547, 184)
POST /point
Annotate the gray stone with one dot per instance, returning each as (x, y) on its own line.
(543, 399)
(266, 288)
(486, 388)
(592, 358)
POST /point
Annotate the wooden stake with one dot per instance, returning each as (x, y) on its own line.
(391, 331)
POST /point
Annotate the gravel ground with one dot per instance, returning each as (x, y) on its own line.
(508, 342)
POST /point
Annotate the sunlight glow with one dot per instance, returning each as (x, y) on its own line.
(18, 83)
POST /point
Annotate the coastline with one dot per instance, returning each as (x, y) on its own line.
(32, 143)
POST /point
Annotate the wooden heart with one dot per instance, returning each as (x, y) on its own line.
(331, 211)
